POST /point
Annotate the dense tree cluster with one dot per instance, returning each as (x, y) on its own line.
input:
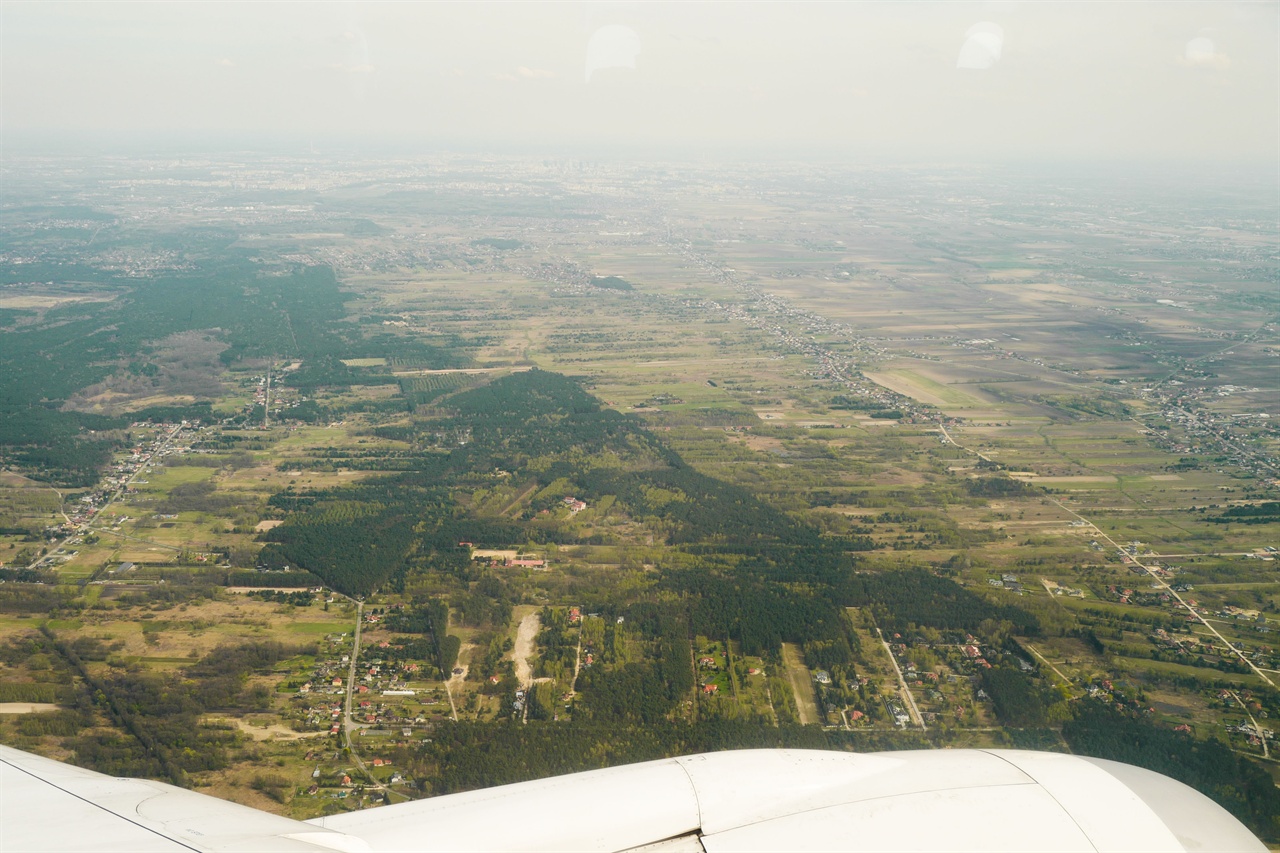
(329, 371)
(753, 573)
(610, 282)
(53, 445)
(292, 579)
(915, 596)
(431, 618)
(635, 691)
(999, 487)
(762, 613)
(354, 545)
(78, 344)
(467, 756)
(1017, 701)
(295, 313)
(198, 496)
(1267, 512)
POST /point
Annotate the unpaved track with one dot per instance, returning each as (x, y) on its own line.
(27, 707)
(525, 637)
(274, 732)
(455, 681)
(801, 683)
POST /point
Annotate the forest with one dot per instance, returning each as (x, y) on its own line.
(254, 313)
(902, 598)
(77, 344)
(430, 618)
(749, 572)
(468, 756)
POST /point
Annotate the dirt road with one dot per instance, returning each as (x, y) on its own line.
(26, 707)
(275, 732)
(525, 636)
(801, 683)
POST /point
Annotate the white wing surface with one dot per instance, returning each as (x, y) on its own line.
(803, 800)
(49, 806)
(747, 800)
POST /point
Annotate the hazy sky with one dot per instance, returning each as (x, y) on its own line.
(1148, 80)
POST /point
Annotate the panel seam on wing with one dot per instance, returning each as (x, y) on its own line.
(874, 799)
(693, 786)
(1058, 802)
(127, 820)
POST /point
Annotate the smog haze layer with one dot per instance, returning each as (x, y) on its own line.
(939, 82)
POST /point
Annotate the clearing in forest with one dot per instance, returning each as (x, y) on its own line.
(525, 636)
(801, 683)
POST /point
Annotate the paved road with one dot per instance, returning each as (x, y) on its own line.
(1160, 582)
(146, 460)
(349, 724)
(1266, 753)
(910, 700)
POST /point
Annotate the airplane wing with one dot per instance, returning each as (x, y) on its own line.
(46, 806)
(745, 800)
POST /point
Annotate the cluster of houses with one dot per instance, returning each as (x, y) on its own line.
(801, 331)
(1127, 595)
(1254, 735)
(974, 653)
(275, 399)
(381, 682)
(897, 713)
(709, 668)
(339, 785)
(1056, 588)
(1189, 644)
(166, 440)
(324, 714)
(964, 658)
(329, 674)
(1006, 581)
(1204, 431)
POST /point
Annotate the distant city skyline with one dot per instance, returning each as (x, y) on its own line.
(1157, 81)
